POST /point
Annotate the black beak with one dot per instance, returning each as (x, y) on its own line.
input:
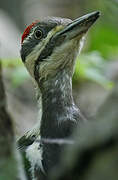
(80, 26)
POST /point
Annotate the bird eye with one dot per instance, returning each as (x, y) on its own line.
(38, 34)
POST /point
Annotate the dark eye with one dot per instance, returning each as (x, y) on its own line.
(38, 34)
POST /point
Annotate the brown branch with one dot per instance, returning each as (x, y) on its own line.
(9, 157)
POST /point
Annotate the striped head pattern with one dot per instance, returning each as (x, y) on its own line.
(51, 45)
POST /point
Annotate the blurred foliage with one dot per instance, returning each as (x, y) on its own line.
(12, 63)
(18, 73)
(18, 76)
(104, 39)
(92, 66)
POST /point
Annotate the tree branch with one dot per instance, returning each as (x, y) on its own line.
(10, 164)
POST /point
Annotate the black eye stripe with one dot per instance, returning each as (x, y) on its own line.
(47, 51)
(36, 71)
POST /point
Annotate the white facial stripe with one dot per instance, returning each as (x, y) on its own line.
(32, 57)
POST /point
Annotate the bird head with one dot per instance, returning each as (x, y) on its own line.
(51, 45)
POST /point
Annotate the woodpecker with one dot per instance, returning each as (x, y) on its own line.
(48, 50)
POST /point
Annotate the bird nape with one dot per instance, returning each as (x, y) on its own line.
(48, 50)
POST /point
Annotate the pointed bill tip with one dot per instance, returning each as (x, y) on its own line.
(88, 18)
(80, 25)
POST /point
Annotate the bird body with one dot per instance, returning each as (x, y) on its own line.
(49, 50)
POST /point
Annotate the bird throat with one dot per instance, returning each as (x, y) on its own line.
(57, 105)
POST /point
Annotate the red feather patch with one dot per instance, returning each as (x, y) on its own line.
(27, 30)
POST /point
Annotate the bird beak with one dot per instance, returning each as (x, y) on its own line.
(79, 26)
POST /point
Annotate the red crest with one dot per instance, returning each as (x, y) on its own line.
(27, 30)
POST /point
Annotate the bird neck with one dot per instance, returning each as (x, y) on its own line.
(57, 92)
(57, 105)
